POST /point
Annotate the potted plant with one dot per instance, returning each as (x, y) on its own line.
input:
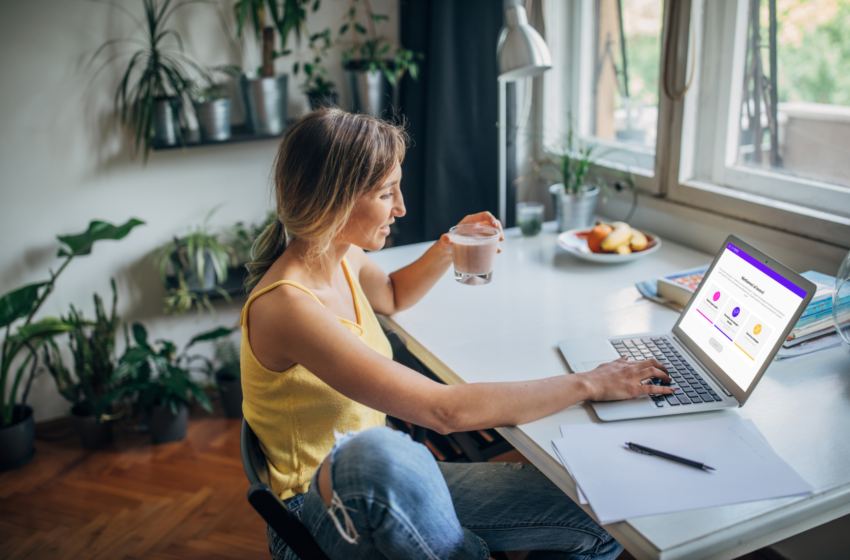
(156, 82)
(321, 92)
(92, 345)
(161, 382)
(225, 369)
(212, 104)
(373, 65)
(17, 309)
(264, 93)
(192, 266)
(577, 189)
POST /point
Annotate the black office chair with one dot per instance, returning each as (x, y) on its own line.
(285, 523)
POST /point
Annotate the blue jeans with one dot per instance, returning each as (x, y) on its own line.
(391, 499)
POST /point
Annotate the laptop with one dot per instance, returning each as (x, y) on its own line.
(723, 342)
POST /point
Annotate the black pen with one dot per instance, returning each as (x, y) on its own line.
(656, 453)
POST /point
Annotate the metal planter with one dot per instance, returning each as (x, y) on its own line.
(574, 210)
(16, 441)
(214, 119)
(320, 101)
(265, 104)
(166, 125)
(371, 92)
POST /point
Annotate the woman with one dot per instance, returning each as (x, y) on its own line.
(316, 365)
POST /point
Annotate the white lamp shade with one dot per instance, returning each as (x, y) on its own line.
(522, 52)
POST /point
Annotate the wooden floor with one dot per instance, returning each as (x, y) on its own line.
(177, 501)
(180, 500)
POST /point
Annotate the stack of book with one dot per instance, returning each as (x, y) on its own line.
(816, 328)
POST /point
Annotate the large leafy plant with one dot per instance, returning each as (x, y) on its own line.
(157, 375)
(92, 345)
(160, 68)
(19, 307)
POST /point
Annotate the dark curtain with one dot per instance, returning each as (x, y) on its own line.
(451, 168)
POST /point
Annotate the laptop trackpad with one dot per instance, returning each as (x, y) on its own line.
(585, 354)
(588, 366)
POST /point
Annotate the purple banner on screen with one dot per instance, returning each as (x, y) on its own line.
(796, 290)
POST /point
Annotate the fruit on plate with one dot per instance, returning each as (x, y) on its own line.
(638, 241)
(621, 235)
(616, 237)
(596, 235)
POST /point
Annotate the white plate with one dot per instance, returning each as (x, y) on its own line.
(575, 241)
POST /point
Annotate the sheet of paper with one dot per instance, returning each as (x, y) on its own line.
(581, 497)
(621, 484)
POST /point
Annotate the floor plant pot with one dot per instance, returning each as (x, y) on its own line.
(371, 92)
(165, 426)
(166, 127)
(574, 210)
(265, 104)
(93, 434)
(16, 440)
(214, 119)
(230, 392)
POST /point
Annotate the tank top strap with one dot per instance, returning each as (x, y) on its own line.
(271, 287)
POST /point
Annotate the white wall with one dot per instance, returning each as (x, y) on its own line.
(63, 162)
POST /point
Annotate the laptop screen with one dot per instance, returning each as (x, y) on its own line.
(739, 312)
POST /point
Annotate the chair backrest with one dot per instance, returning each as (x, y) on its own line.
(285, 523)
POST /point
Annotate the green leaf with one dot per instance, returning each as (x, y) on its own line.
(81, 243)
(360, 29)
(210, 335)
(140, 334)
(19, 303)
(343, 29)
(49, 326)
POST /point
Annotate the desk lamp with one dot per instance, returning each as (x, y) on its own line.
(521, 53)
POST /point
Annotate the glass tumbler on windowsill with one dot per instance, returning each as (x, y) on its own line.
(529, 218)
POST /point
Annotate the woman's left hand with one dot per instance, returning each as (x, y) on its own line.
(481, 218)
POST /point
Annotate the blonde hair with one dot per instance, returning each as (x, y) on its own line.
(326, 161)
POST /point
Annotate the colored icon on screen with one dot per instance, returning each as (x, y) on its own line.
(716, 296)
(757, 329)
(736, 312)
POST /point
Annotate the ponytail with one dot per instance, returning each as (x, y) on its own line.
(268, 246)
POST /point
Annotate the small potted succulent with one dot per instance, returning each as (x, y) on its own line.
(213, 105)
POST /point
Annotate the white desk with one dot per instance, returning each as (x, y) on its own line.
(508, 331)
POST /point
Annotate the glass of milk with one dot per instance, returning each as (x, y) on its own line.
(474, 250)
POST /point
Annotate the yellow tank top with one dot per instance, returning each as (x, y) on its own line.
(294, 413)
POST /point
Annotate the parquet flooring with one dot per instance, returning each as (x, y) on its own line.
(181, 500)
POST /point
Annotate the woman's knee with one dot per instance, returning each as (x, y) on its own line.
(380, 457)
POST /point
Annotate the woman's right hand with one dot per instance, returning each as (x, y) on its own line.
(621, 379)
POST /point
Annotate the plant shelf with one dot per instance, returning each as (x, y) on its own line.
(239, 133)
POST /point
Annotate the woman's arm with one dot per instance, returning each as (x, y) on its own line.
(400, 290)
(310, 335)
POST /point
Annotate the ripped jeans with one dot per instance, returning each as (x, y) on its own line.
(391, 499)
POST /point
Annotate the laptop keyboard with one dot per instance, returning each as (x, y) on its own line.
(692, 389)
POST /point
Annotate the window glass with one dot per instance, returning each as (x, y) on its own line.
(795, 109)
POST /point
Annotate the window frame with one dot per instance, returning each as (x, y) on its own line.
(708, 184)
(793, 204)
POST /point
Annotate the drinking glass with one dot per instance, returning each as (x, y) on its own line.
(529, 218)
(474, 250)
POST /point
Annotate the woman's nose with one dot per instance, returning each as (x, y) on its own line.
(398, 208)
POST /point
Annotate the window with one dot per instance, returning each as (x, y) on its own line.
(763, 130)
(614, 52)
